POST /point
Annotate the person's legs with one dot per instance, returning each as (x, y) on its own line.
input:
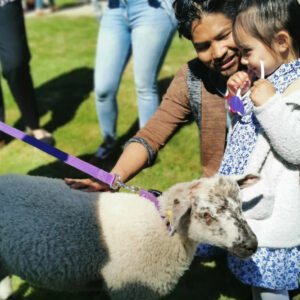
(38, 4)
(113, 52)
(14, 57)
(259, 293)
(52, 5)
(149, 53)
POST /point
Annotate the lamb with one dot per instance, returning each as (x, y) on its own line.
(62, 239)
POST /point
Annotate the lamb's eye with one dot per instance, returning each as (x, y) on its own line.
(176, 201)
(206, 216)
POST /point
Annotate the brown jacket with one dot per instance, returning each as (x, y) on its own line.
(176, 109)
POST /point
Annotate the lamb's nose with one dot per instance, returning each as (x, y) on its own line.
(252, 244)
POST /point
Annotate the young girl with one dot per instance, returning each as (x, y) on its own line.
(265, 139)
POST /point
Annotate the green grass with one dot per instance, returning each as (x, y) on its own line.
(62, 64)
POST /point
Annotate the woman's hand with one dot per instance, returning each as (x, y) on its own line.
(261, 91)
(132, 160)
(238, 80)
(88, 185)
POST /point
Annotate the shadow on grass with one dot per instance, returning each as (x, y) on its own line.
(59, 169)
(209, 279)
(25, 291)
(52, 94)
(213, 283)
(200, 282)
(62, 96)
(295, 294)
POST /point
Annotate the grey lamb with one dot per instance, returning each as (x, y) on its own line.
(63, 239)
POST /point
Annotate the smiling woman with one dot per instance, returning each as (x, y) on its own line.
(202, 79)
(213, 42)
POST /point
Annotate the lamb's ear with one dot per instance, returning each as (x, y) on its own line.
(180, 208)
(177, 198)
(246, 180)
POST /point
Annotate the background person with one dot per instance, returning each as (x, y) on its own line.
(197, 90)
(14, 58)
(39, 4)
(143, 29)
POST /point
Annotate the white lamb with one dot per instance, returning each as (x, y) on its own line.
(64, 239)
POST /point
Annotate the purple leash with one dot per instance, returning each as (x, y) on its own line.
(66, 158)
(77, 163)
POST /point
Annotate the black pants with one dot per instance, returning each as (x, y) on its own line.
(14, 58)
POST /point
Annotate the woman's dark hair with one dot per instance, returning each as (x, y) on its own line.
(262, 19)
(187, 11)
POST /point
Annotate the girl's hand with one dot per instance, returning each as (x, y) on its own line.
(87, 185)
(239, 79)
(261, 91)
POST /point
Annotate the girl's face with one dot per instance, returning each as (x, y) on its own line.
(253, 51)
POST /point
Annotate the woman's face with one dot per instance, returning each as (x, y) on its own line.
(213, 42)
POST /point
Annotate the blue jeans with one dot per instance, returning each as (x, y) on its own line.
(39, 4)
(143, 29)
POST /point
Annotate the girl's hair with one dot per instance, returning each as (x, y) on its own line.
(187, 11)
(262, 19)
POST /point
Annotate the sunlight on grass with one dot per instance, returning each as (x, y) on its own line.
(211, 264)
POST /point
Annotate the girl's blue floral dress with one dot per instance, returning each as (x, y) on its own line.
(270, 268)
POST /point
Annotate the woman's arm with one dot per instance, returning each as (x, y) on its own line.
(173, 111)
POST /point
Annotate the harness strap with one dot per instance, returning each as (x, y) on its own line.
(150, 196)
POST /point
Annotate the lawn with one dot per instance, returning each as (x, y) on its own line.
(63, 50)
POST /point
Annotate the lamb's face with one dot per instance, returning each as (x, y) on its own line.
(213, 215)
(216, 216)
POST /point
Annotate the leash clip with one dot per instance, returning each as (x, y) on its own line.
(119, 183)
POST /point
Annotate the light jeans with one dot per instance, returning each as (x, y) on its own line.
(39, 4)
(143, 29)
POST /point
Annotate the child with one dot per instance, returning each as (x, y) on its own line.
(266, 139)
